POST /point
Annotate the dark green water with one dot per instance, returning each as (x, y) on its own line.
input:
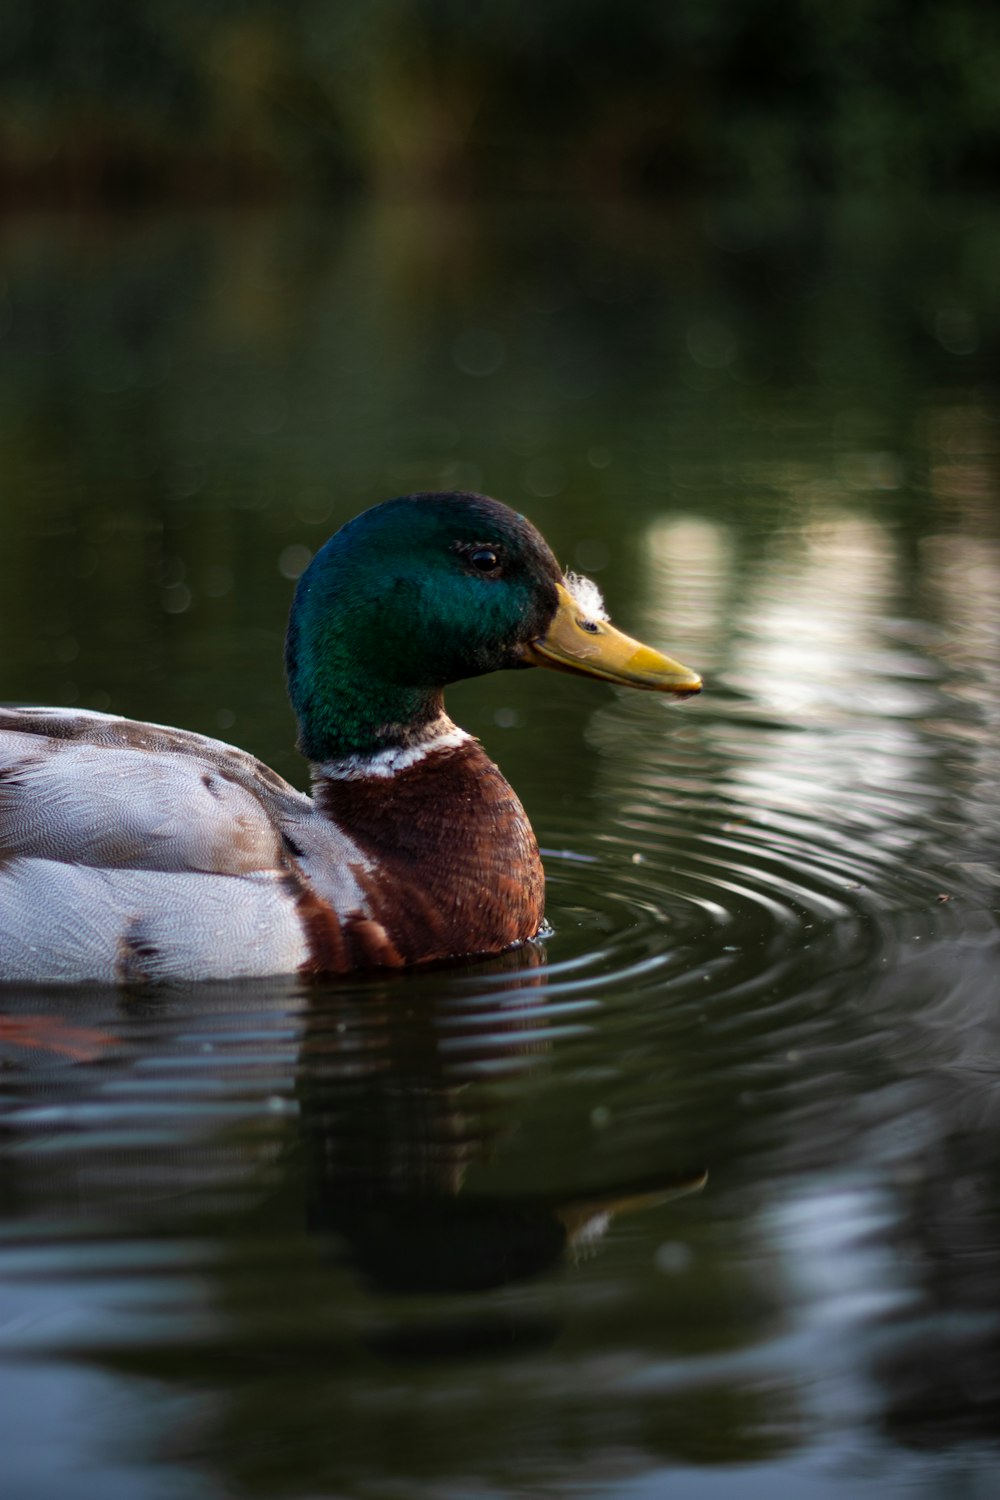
(702, 1197)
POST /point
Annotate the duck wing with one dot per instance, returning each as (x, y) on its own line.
(132, 850)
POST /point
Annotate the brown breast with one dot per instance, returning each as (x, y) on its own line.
(455, 868)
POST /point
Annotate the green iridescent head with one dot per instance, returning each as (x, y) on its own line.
(425, 590)
(416, 593)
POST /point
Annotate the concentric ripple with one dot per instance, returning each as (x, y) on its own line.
(710, 889)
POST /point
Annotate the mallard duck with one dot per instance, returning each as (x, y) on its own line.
(134, 852)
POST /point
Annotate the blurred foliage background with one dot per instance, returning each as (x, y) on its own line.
(106, 100)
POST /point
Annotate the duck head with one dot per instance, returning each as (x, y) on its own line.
(425, 590)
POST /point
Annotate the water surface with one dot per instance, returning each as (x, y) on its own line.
(701, 1194)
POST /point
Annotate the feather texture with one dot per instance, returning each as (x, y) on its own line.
(129, 850)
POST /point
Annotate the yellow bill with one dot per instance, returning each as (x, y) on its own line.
(577, 642)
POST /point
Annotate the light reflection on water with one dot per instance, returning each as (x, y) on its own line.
(703, 1188)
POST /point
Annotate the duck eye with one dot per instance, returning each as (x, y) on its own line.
(484, 559)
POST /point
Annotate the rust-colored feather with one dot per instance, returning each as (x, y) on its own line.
(453, 866)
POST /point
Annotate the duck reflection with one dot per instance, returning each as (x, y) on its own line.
(394, 1114)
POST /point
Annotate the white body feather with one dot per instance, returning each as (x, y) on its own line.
(132, 850)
